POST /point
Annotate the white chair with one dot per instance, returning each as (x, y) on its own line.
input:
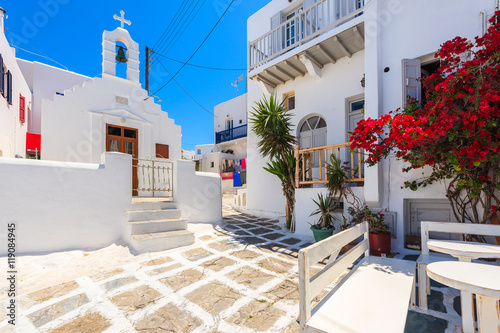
(426, 257)
(373, 296)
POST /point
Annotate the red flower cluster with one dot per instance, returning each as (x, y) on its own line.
(457, 127)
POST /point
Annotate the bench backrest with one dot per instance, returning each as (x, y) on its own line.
(310, 287)
(456, 228)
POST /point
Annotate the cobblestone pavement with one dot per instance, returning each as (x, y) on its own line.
(241, 278)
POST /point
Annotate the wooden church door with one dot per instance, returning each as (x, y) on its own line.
(124, 140)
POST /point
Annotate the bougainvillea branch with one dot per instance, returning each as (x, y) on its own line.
(455, 130)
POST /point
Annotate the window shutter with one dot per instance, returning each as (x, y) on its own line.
(276, 36)
(411, 84)
(9, 87)
(1, 76)
(162, 151)
(21, 109)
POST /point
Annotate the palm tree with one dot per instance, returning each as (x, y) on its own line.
(272, 124)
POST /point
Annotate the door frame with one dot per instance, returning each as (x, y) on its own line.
(122, 140)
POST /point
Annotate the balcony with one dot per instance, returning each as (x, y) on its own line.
(312, 164)
(321, 34)
(231, 134)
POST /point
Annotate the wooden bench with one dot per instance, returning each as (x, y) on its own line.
(372, 297)
(426, 257)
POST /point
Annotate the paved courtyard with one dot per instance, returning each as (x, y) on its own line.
(240, 277)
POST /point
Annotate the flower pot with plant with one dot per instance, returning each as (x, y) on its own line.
(324, 227)
(379, 233)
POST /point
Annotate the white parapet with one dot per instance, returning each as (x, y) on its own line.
(59, 206)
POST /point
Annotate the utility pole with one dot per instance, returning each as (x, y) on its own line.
(147, 69)
(236, 83)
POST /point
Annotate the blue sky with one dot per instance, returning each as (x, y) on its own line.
(70, 32)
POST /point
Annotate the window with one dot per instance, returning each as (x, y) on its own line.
(289, 99)
(199, 152)
(162, 151)
(2, 76)
(9, 87)
(229, 124)
(212, 164)
(22, 112)
(312, 134)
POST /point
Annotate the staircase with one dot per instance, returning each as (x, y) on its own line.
(156, 225)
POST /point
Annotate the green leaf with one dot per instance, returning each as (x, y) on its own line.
(477, 163)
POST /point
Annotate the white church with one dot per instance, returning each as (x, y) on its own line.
(107, 165)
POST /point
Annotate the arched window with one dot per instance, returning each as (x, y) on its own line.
(312, 134)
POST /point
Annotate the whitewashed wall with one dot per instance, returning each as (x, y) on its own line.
(12, 132)
(397, 29)
(197, 194)
(325, 96)
(235, 109)
(44, 82)
(74, 125)
(203, 150)
(60, 206)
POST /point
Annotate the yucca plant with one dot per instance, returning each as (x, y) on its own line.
(326, 207)
(273, 125)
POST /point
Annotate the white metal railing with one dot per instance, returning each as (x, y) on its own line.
(317, 19)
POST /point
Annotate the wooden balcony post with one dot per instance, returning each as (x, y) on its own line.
(297, 185)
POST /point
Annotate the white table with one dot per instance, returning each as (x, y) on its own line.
(480, 279)
(465, 252)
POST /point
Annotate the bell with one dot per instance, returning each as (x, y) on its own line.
(120, 56)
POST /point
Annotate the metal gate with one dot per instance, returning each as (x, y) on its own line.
(155, 177)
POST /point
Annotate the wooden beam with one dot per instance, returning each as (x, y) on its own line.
(292, 66)
(358, 36)
(266, 81)
(342, 46)
(274, 76)
(327, 54)
(314, 60)
(313, 68)
(284, 72)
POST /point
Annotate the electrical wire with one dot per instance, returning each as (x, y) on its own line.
(199, 66)
(196, 51)
(204, 108)
(167, 30)
(20, 48)
(176, 38)
(179, 25)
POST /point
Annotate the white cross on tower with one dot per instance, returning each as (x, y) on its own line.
(122, 19)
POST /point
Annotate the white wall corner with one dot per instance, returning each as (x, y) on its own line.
(312, 68)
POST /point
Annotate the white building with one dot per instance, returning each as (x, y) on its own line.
(332, 59)
(103, 141)
(15, 101)
(228, 155)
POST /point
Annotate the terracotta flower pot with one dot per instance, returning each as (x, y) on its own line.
(380, 243)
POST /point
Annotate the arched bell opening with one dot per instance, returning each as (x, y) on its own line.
(121, 59)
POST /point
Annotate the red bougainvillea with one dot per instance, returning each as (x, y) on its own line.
(455, 130)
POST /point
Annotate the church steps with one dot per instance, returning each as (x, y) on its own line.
(155, 224)
(162, 241)
(157, 214)
(146, 227)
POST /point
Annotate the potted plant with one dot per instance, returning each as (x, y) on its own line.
(324, 227)
(379, 235)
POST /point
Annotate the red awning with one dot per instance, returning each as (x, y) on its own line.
(33, 143)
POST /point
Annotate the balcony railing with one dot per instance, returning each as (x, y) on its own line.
(312, 164)
(312, 22)
(231, 134)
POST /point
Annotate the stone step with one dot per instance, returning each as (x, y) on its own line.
(153, 215)
(146, 227)
(161, 241)
(151, 205)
